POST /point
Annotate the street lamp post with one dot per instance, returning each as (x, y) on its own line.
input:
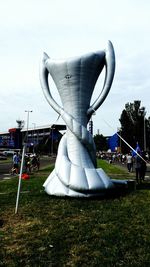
(28, 111)
(143, 112)
(33, 135)
(119, 130)
(52, 140)
(144, 132)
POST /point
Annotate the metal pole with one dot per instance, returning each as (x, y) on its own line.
(120, 140)
(52, 141)
(143, 113)
(28, 111)
(33, 135)
(22, 163)
(120, 144)
(19, 183)
(144, 132)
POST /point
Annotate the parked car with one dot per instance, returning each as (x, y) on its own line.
(8, 153)
(2, 156)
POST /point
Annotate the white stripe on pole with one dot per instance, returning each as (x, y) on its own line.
(19, 182)
(131, 147)
(22, 160)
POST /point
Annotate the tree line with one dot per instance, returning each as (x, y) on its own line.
(135, 128)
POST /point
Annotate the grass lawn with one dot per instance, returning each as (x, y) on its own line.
(51, 231)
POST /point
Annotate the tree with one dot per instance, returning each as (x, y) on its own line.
(134, 126)
(100, 142)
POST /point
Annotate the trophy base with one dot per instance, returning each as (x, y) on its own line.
(94, 186)
(72, 180)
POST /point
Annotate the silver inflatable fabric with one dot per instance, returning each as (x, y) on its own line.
(75, 172)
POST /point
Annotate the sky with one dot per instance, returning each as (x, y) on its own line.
(68, 28)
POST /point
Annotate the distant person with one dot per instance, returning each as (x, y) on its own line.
(27, 164)
(123, 159)
(35, 162)
(16, 162)
(129, 160)
(38, 161)
(138, 168)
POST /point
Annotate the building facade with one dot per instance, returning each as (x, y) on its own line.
(43, 138)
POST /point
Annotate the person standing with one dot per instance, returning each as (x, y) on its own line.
(16, 161)
(129, 162)
(138, 168)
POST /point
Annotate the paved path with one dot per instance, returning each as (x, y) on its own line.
(6, 166)
(45, 161)
(147, 175)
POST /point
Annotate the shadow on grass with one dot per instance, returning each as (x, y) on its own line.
(109, 195)
(143, 186)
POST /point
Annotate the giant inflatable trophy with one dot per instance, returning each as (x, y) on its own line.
(75, 172)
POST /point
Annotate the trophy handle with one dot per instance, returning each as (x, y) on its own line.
(45, 86)
(109, 75)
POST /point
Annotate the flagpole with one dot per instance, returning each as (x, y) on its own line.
(126, 142)
(22, 162)
(20, 175)
(131, 147)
